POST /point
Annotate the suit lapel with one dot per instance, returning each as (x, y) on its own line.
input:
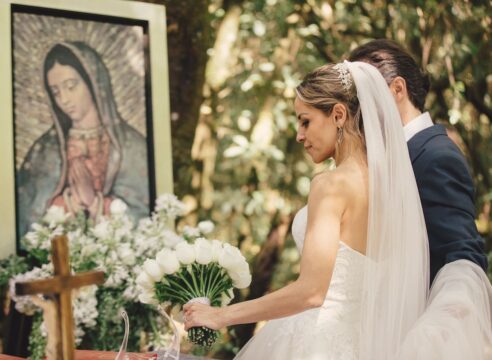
(416, 143)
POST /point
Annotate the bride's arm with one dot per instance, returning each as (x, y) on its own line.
(326, 205)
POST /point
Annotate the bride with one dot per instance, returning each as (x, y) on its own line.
(362, 292)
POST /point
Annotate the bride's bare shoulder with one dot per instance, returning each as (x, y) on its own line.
(329, 182)
(340, 182)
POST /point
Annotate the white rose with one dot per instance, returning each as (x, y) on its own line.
(153, 269)
(168, 261)
(216, 250)
(241, 280)
(185, 253)
(206, 227)
(126, 254)
(55, 215)
(145, 281)
(231, 258)
(147, 298)
(240, 266)
(117, 207)
(203, 251)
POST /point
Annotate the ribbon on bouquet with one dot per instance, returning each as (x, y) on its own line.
(200, 300)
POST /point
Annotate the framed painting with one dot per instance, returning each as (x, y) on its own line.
(85, 111)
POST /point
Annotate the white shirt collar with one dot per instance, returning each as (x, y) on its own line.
(421, 122)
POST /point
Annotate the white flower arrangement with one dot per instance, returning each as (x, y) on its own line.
(84, 302)
(205, 271)
(120, 248)
(24, 304)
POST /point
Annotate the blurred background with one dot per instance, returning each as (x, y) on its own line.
(233, 69)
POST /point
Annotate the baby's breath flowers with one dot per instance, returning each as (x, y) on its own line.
(115, 244)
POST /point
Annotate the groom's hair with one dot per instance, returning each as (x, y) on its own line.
(391, 60)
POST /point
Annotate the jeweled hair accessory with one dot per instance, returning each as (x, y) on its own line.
(344, 75)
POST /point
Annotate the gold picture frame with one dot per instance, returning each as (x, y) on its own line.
(40, 23)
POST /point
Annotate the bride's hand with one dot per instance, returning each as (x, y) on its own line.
(202, 315)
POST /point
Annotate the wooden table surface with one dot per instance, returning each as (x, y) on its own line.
(107, 355)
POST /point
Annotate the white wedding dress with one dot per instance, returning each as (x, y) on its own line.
(330, 332)
(378, 306)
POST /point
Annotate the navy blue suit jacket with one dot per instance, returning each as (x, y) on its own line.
(447, 195)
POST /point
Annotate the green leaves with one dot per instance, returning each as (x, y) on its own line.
(11, 266)
(194, 281)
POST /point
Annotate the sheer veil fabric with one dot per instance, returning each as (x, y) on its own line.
(399, 318)
(397, 267)
(456, 324)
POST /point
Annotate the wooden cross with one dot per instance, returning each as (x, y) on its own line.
(61, 286)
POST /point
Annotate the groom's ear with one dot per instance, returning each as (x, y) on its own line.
(398, 88)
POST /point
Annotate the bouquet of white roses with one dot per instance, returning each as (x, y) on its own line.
(206, 271)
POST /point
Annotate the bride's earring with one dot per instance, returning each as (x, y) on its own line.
(339, 135)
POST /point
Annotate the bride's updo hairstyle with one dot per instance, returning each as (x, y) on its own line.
(327, 86)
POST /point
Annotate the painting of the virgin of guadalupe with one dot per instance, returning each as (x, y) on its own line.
(82, 129)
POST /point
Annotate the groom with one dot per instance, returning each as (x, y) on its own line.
(443, 179)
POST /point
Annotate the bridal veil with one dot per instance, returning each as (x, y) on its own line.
(400, 319)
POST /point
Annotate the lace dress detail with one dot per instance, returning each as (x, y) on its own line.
(330, 332)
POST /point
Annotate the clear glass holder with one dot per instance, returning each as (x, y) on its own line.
(169, 353)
